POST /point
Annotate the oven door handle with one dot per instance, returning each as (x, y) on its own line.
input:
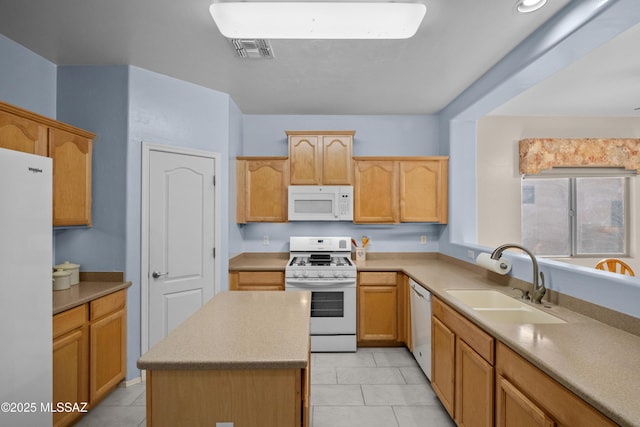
(319, 283)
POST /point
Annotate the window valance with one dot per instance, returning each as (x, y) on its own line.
(537, 154)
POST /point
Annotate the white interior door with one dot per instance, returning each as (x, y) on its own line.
(181, 218)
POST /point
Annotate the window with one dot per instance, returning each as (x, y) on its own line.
(575, 216)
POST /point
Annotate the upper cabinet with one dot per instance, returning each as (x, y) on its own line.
(423, 190)
(320, 157)
(400, 189)
(71, 154)
(375, 191)
(22, 134)
(71, 151)
(262, 189)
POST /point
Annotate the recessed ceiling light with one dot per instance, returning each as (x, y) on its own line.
(317, 20)
(526, 6)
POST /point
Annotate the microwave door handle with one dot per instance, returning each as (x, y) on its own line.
(336, 204)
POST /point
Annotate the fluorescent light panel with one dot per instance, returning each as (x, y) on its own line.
(317, 20)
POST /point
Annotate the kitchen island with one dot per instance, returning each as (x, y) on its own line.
(243, 358)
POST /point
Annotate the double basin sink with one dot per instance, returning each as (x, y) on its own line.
(498, 307)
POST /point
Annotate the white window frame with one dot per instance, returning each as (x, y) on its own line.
(572, 174)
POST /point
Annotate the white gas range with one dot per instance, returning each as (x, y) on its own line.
(323, 266)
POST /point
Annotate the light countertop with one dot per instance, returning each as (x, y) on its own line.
(598, 362)
(238, 330)
(93, 285)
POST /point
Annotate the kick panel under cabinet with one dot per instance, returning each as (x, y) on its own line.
(71, 151)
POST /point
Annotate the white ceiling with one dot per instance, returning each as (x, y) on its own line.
(605, 82)
(458, 41)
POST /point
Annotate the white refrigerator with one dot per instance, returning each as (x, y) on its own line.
(25, 289)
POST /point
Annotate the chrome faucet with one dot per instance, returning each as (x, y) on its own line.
(537, 287)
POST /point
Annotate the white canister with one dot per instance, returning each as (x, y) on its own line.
(61, 280)
(74, 269)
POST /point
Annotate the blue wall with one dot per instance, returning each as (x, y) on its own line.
(26, 79)
(95, 98)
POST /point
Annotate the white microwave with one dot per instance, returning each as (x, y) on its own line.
(320, 203)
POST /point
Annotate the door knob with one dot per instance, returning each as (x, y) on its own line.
(157, 274)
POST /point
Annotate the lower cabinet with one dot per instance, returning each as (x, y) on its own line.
(108, 339)
(526, 396)
(256, 280)
(381, 315)
(89, 353)
(482, 382)
(462, 373)
(70, 361)
(265, 397)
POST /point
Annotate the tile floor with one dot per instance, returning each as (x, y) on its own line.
(374, 387)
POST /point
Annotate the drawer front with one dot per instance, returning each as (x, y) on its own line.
(261, 278)
(475, 337)
(107, 304)
(69, 320)
(378, 278)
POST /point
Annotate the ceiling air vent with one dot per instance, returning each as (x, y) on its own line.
(252, 48)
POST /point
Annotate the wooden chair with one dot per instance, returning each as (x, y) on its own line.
(614, 265)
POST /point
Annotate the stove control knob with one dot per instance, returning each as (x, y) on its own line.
(344, 274)
(305, 274)
(320, 274)
(296, 274)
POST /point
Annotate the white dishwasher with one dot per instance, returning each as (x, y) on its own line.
(421, 326)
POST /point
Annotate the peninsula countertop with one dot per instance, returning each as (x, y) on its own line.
(598, 362)
(238, 330)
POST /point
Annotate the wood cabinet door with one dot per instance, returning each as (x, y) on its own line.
(266, 190)
(21, 134)
(443, 353)
(530, 389)
(70, 373)
(474, 388)
(423, 191)
(377, 313)
(108, 364)
(376, 191)
(336, 160)
(513, 408)
(305, 159)
(71, 177)
(256, 281)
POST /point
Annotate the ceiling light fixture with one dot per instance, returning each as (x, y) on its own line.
(317, 20)
(526, 6)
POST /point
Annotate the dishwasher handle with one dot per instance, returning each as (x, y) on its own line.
(426, 295)
(413, 287)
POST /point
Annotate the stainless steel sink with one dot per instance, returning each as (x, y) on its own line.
(498, 307)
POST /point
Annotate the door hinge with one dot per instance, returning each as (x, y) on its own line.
(214, 180)
(214, 252)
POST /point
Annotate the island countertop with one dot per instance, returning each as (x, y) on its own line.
(238, 330)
